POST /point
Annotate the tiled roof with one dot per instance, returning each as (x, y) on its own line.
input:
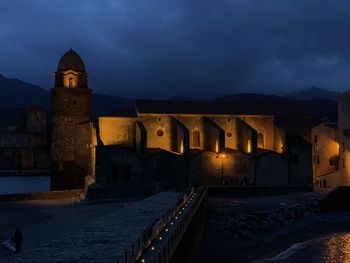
(209, 108)
(332, 125)
(124, 112)
(214, 107)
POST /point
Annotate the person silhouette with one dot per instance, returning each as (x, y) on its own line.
(17, 238)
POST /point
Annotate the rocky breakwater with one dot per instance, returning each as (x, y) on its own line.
(238, 218)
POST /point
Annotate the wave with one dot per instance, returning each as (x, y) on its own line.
(292, 250)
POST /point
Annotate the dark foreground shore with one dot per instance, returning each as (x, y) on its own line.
(248, 238)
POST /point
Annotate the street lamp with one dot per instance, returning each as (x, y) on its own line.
(222, 156)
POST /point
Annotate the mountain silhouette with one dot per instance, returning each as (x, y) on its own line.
(313, 93)
(319, 103)
(319, 109)
(16, 94)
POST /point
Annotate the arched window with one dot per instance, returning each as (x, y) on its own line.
(196, 139)
(70, 82)
(261, 140)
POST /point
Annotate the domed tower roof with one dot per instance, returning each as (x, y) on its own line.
(71, 61)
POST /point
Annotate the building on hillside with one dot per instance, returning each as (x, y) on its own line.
(170, 144)
(23, 141)
(325, 154)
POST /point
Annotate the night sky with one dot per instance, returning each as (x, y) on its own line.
(161, 48)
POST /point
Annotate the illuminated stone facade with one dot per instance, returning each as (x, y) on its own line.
(169, 144)
(325, 153)
(331, 147)
(344, 135)
(206, 132)
(70, 138)
(172, 144)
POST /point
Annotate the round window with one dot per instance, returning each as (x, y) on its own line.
(160, 132)
(229, 134)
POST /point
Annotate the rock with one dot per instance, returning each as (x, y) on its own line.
(291, 214)
(279, 218)
(265, 225)
(307, 213)
(243, 233)
(227, 233)
(252, 217)
(252, 225)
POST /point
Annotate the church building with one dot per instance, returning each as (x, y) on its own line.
(159, 144)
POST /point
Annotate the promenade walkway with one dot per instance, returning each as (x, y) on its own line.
(61, 231)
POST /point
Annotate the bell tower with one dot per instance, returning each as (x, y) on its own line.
(71, 105)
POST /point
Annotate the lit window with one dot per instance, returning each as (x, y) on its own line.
(71, 82)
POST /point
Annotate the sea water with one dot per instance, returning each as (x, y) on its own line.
(24, 184)
(328, 249)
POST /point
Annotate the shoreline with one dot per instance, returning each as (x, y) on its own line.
(261, 244)
(25, 173)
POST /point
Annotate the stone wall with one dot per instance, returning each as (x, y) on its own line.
(265, 126)
(300, 165)
(117, 131)
(120, 167)
(85, 147)
(24, 145)
(247, 137)
(344, 142)
(271, 169)
(228, 124)
(214, 132)
(230, 169)
(279, 140)
(195, 123)
(24, 158)
(325, 148)
(35, 120)
(43, 195)
(70, 107)
(161, 132)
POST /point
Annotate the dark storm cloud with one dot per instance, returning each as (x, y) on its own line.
(165, 48)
